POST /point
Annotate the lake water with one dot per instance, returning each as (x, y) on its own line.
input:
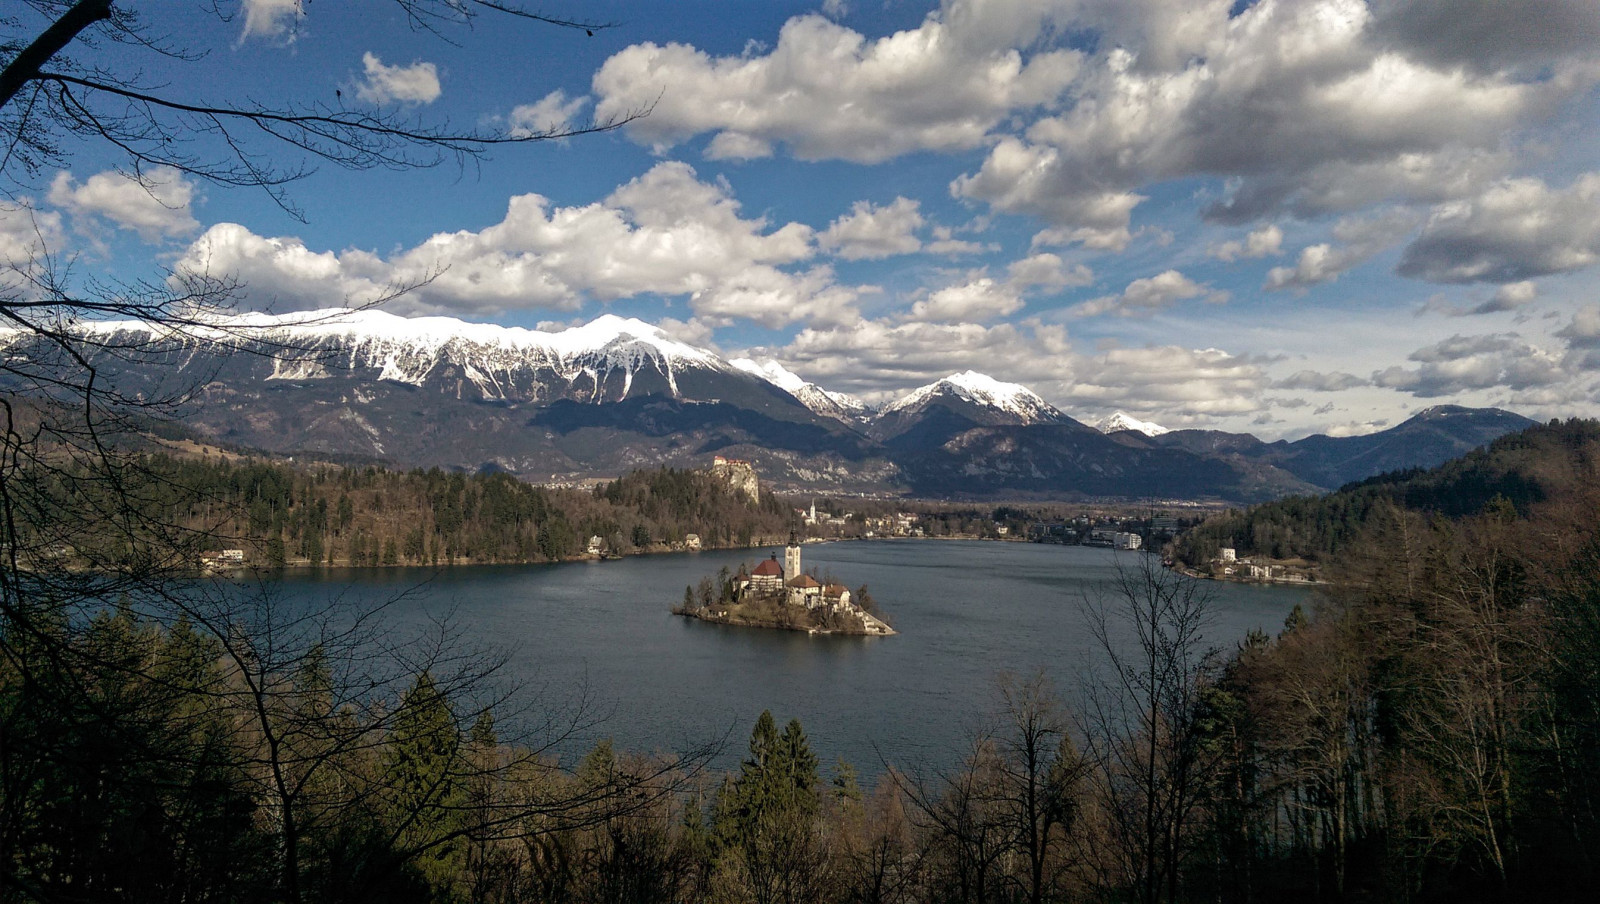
(965, 610)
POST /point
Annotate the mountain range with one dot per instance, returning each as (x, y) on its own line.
(618, 394)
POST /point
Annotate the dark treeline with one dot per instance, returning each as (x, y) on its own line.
(1521, 468)
(370, 516)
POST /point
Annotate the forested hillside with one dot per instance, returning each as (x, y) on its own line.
(282, 514)
(1519, 470)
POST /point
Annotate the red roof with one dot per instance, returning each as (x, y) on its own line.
(768, 569)
(804, 582)
(835, 590)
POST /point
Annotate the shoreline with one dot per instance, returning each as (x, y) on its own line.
(700, 614)
(301, 566)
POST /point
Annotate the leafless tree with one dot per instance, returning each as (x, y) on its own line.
(1142, 716)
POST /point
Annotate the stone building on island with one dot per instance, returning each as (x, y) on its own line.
(795, 587)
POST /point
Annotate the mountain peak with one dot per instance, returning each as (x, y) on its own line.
(1124, 421)
(1012, 399)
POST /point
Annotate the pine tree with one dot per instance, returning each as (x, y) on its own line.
(421, 772)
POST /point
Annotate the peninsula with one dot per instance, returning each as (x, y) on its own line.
(782, 596)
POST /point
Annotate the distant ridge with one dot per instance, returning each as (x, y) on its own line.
(616, 394)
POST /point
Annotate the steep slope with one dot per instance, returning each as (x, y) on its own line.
(839, 405)
(438, 391)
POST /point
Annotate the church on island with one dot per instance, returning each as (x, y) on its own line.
(782, 595)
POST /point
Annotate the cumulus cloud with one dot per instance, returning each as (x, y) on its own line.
(978, 299)
(1359, 240)
(271, 19)
(1295, 103)
(1508, 297)
(1515, 230)
(1151, 293)
(551, 115)
(1464, 363)
(664, 233)
(156, 205)
(826, 91)
(877, 359)
(414, 84)
(1048, 271)
(26, 235)
(1314, 381)
(871, 232)
(1264, 242)
(1179, 384)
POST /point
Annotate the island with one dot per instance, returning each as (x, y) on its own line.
(782, 596)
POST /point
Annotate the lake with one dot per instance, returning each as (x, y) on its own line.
(965, 610)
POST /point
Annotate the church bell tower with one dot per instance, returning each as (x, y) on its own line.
(791, 557)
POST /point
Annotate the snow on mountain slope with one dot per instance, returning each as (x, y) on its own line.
(1012, 399)
(822, 401)
(498, 360)
(1123, 421)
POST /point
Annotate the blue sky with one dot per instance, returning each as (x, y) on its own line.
(1283, 217)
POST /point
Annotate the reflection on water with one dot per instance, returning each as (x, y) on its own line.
(965, 610)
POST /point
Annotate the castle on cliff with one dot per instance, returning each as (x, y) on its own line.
(740, 475)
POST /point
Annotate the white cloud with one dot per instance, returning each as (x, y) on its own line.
(1314, 381)
(870, 232)
(664, 233)
(1465, 363)
(551, 115)
(271, 19)
(1360, 239)
(27, 234)
(1179, 385)
(1508, 297)
(1294, 102)
(155, 206)
(1515, 230)
(1264, 242)
(1048, 271)
(977, 299)
(1151, 293)
(826, 91)
(876, 358)
(414, 84)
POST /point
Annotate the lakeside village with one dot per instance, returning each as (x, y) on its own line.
(783, 596)
(1150, 526)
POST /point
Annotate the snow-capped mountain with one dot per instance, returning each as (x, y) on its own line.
(825, 402)
(616, 394)
(600, 360)
(1013, 401)
(1124, 421)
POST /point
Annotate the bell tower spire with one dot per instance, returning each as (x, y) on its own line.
(791, 556)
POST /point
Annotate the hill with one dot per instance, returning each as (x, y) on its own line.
(1524, 469)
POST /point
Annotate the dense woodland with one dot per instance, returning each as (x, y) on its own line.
(1519, 469)
(371, 516)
